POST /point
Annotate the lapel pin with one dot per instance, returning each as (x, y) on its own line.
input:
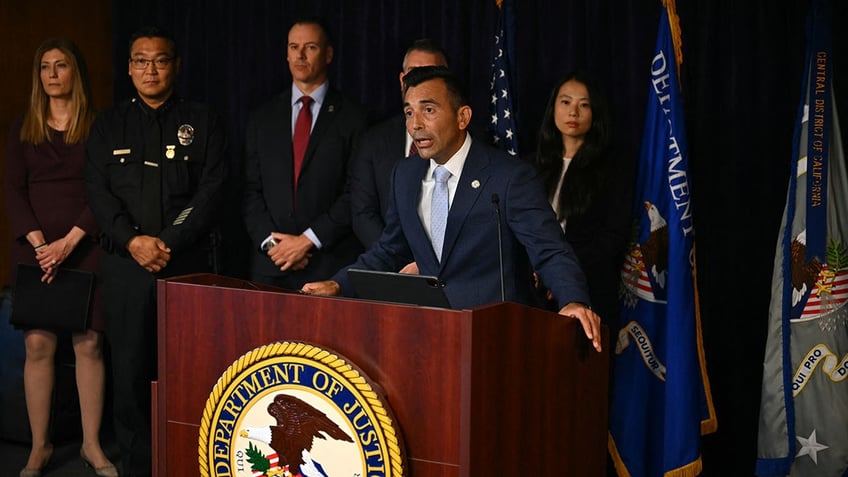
(475, 184)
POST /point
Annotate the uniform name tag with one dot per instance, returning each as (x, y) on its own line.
(121, 152)
(151, 164)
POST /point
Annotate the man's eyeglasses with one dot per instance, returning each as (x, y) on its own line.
(142, 63)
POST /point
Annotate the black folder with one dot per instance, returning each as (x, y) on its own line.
(63, 304)
(422, 290)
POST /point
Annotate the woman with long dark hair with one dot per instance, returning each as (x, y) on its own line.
(590, 197)
(54, 229)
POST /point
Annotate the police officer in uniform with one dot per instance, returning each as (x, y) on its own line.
(155, 172)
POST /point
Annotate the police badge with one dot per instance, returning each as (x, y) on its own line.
(185, 134)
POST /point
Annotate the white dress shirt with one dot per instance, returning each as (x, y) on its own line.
(454, 165)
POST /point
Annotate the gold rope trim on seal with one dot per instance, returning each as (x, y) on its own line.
(303, 350)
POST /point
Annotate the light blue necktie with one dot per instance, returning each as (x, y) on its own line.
(439, 209)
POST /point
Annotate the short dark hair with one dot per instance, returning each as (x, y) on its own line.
(153, 32)
(320, 22)
(426, 45)
(456, 90)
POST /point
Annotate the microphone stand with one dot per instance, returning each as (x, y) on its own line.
(496, 203)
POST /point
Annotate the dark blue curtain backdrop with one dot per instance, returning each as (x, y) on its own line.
(741, 77)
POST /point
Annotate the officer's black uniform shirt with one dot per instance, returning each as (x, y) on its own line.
(193, 167)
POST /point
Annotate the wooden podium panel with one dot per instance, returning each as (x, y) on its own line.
(490, 391)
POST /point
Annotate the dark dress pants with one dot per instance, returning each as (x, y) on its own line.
(129, 300)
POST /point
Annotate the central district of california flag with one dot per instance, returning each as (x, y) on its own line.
(804, 405)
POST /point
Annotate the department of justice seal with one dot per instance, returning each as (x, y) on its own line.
(294, 409)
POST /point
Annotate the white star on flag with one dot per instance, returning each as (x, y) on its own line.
(502, 126)
(810, 447)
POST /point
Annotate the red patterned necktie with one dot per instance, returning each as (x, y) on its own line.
(301, 135)
(412, 149)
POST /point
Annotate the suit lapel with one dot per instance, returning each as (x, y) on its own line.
(329, 110)
(408, 193)
(471, 184)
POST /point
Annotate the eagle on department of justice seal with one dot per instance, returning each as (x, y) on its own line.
(292, 409)
(645, 267)
(819, 285)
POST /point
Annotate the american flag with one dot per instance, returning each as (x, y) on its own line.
(502, 123)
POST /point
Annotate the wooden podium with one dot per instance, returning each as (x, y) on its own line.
(503, 389)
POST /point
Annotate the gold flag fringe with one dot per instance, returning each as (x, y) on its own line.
(676, 35)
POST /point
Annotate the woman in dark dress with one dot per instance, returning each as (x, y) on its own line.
(54, 228)
(590, 197)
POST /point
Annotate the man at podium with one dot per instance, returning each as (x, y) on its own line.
(464, 209)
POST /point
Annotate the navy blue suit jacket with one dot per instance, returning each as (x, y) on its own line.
(322, 202)
(532, 238)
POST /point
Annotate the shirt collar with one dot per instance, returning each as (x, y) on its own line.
(456, 162)
(160, 110)
(317, 95)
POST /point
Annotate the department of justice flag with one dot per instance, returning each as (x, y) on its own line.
(660, 393)
(502, 123)
(804, 402)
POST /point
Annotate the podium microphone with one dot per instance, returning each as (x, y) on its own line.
(496, 204)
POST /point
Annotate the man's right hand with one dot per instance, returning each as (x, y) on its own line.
(410, 269)
(291, 251)
(325, 288)
(149, 252)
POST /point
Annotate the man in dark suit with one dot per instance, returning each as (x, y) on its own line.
(379, 149)
(296, 208)
(463, 250)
